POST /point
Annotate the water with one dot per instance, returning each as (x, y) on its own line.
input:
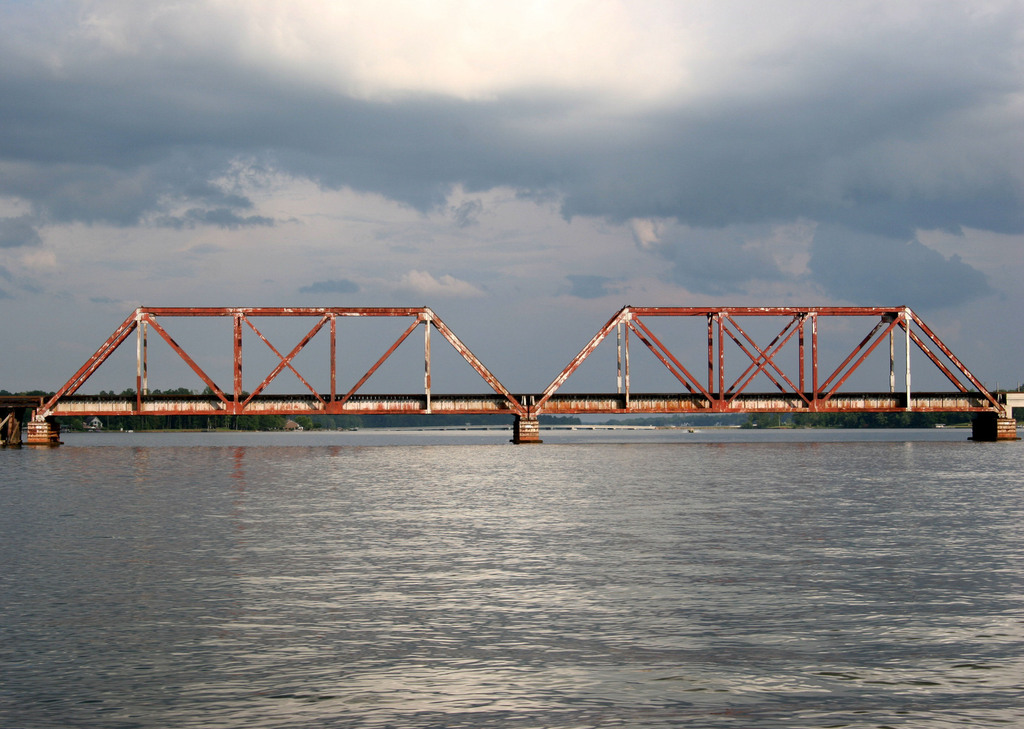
(604, 579)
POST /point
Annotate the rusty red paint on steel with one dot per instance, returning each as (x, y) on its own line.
(237, 402)
(93, 363)
(952, 357)
(557, 405)
(761, 310)
(863, 349)
(368, 311)
(716, 397)
(757, 364)
(285, 361)
(722, 322)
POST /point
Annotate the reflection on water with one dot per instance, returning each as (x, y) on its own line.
(334, 580)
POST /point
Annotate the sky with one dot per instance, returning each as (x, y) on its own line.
(523, 169)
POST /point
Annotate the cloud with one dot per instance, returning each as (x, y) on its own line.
(422, 282)
(466, 214)
(875, 270)
(205, 249)
(383, 49)
(646, 232)
(334, 286)
(717, 261)
(883, 127)
(18, 232)
(220, 217)
(590, 287)
(723, 149)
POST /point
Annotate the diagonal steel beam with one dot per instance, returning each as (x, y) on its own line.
(188, 360)
(852, 355)
(362, 381)
(92, 364)
(433, 319)
(951, 357)
(285, 361)
(622, 314)
(855, 365)
(765, 357)
(666, 356)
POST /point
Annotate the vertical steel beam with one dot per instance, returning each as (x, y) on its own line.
(334, 351)
(892, 361)
(711, 357)
(721, 357)
(626, 361)
(238, 364)
(803, 318)
(618, 358)
(145, 357)
(905, 318)
(138, 368)
(814, 360)
(426, 362)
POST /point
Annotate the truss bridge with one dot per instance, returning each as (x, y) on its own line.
(709, 360)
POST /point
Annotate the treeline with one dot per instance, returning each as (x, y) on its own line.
(682, 420)
(306, 422)
(857, 420)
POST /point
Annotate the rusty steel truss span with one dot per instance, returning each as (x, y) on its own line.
(237, 401)
(802, 386)
(786, 360)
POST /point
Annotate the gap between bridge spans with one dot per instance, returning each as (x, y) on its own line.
(718, 394)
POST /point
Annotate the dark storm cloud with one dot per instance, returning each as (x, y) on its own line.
(336, 286)
(832, 145)
(858, 267)
(466, 214)
(220, 217)
(17, 232)
(883, 133)
(716, 261)
(589, 287)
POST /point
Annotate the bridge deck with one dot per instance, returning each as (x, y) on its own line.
(558, 404)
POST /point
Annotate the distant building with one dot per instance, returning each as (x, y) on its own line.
(292, 425)
(93, 423)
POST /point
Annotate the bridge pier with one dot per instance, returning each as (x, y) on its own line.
(10, 426)
(43, 432)
(526, 429)
(989, 427)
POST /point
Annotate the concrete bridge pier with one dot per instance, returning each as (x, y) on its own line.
(526, 429)
(43, 432)
(990, 427)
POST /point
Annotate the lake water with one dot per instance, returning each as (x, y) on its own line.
(450, 579)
